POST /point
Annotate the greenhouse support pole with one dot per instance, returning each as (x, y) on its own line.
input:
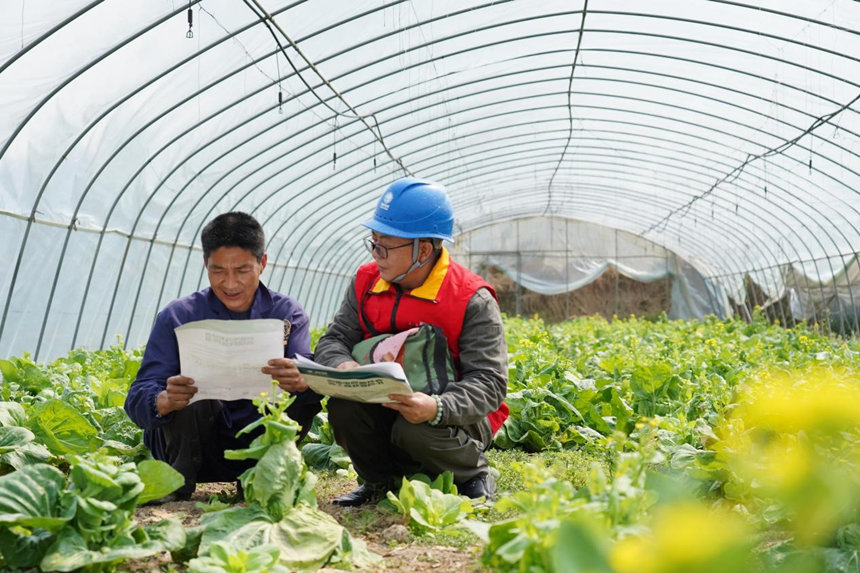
(517, 291)
(851, 292)
(666, 288)
(567, 269)
(617, 302)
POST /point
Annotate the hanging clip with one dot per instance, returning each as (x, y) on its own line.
(189, 34)
(280, 102)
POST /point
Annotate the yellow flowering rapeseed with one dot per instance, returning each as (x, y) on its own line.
(686, 537)
(793, 443)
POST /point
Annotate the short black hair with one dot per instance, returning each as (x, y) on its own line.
(234, 229)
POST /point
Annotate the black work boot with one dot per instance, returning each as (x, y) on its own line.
(368, 492)
(482, 485)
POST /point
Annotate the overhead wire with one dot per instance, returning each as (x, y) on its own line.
(569, 107)
(750, 158)
(270, 22)
(236, 41)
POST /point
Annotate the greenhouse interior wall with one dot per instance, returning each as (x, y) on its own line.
(708, 147)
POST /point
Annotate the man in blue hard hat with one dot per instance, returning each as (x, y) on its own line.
(413, 280)
(192, 436)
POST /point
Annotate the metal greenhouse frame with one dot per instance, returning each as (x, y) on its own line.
(710, 142)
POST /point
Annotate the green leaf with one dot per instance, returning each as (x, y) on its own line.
(223, 558)
(159, 479)
(92, 476)
(70, 551)
(114, 448)
(23, 550)
(12, 414)
(325, 457)
(12, 437)
(115, 426)
(582, 548)
(307, 538)
(26, 373)
(32, 497)
(62, 429)
(280, 480)
(25, 454)
(429, 508)
(650, 379)
(9, 370)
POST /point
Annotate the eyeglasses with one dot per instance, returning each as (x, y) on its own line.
(381, 251)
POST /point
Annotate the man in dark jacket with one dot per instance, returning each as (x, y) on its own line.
(192, 437)
(413, 280)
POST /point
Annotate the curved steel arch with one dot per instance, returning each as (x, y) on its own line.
(619, 192)
(472, 156)
(848, 222)
(83, 133)
(538, 213)
(628, 231)
(707, 127)
(117, 198)
(35, 109)
(602, 205)
(178, 65)
(107, 320)
(53, 30)
(672, 249)
(505, 159)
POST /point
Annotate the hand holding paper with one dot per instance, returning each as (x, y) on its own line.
(225, 357)
(286, 374)
(368, 383)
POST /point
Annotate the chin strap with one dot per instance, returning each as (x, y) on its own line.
(415, 264)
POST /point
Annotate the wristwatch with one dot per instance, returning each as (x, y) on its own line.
(155, 407)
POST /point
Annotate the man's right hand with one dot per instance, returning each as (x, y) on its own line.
(179, 391)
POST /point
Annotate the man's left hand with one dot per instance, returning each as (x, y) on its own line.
(285, 372)
(417, 408)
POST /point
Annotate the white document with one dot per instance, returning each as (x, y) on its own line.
(224, 357)
(368, 383)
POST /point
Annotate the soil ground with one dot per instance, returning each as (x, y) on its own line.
(383, 532)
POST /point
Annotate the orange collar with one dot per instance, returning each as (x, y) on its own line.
(429, 289)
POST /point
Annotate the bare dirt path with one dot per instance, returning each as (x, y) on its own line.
(384, 533)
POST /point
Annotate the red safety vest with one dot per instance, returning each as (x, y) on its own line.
(440, 301)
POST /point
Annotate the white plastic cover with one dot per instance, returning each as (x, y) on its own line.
(723, 133)
(552, 256)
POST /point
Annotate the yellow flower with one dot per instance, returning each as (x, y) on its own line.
(633, 555)
(782, 465)
(686, 537)
(792, 441)
(680, 530)
(791, 402)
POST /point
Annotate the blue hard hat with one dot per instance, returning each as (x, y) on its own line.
(414, 209)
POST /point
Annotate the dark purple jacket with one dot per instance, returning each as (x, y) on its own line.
(161, 356)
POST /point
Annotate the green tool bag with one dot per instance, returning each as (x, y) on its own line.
(423, 353)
